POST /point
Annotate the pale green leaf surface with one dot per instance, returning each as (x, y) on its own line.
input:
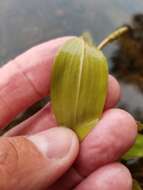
(79, 86)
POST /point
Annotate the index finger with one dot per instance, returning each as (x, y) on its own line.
(26, 79)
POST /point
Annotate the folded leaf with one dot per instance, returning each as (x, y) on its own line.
(79, 86)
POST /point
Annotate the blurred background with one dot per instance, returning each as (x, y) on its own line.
(24, 24)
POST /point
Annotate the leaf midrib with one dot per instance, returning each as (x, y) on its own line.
(79, 82)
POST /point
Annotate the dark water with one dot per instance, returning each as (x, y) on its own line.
(26, 23)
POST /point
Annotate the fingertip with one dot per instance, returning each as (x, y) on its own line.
(112, 137)
(125, 122)
(42, 158)
(112, 176)
(113, 93)
(60, 147)
(57, 143)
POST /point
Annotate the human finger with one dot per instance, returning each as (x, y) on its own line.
(35, 162)
(26, 79)
(113, 135)
(112, 176)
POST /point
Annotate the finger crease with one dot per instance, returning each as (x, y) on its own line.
(6, 105)
(14, 148)
(6, 163)
(28, 79)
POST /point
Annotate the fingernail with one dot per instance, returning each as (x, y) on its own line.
(54, 143)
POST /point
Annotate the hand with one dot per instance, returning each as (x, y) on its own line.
(36, 153)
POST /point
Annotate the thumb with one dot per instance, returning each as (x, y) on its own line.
(35, 162)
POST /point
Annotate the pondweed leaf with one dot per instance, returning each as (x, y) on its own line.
(79, 86)
(136, 185)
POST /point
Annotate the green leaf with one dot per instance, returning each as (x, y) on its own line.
(136, 150)
(79, 86)
(136, 185)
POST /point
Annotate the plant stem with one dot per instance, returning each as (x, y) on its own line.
(113, 36)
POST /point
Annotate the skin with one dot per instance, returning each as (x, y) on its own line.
(39, 155)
